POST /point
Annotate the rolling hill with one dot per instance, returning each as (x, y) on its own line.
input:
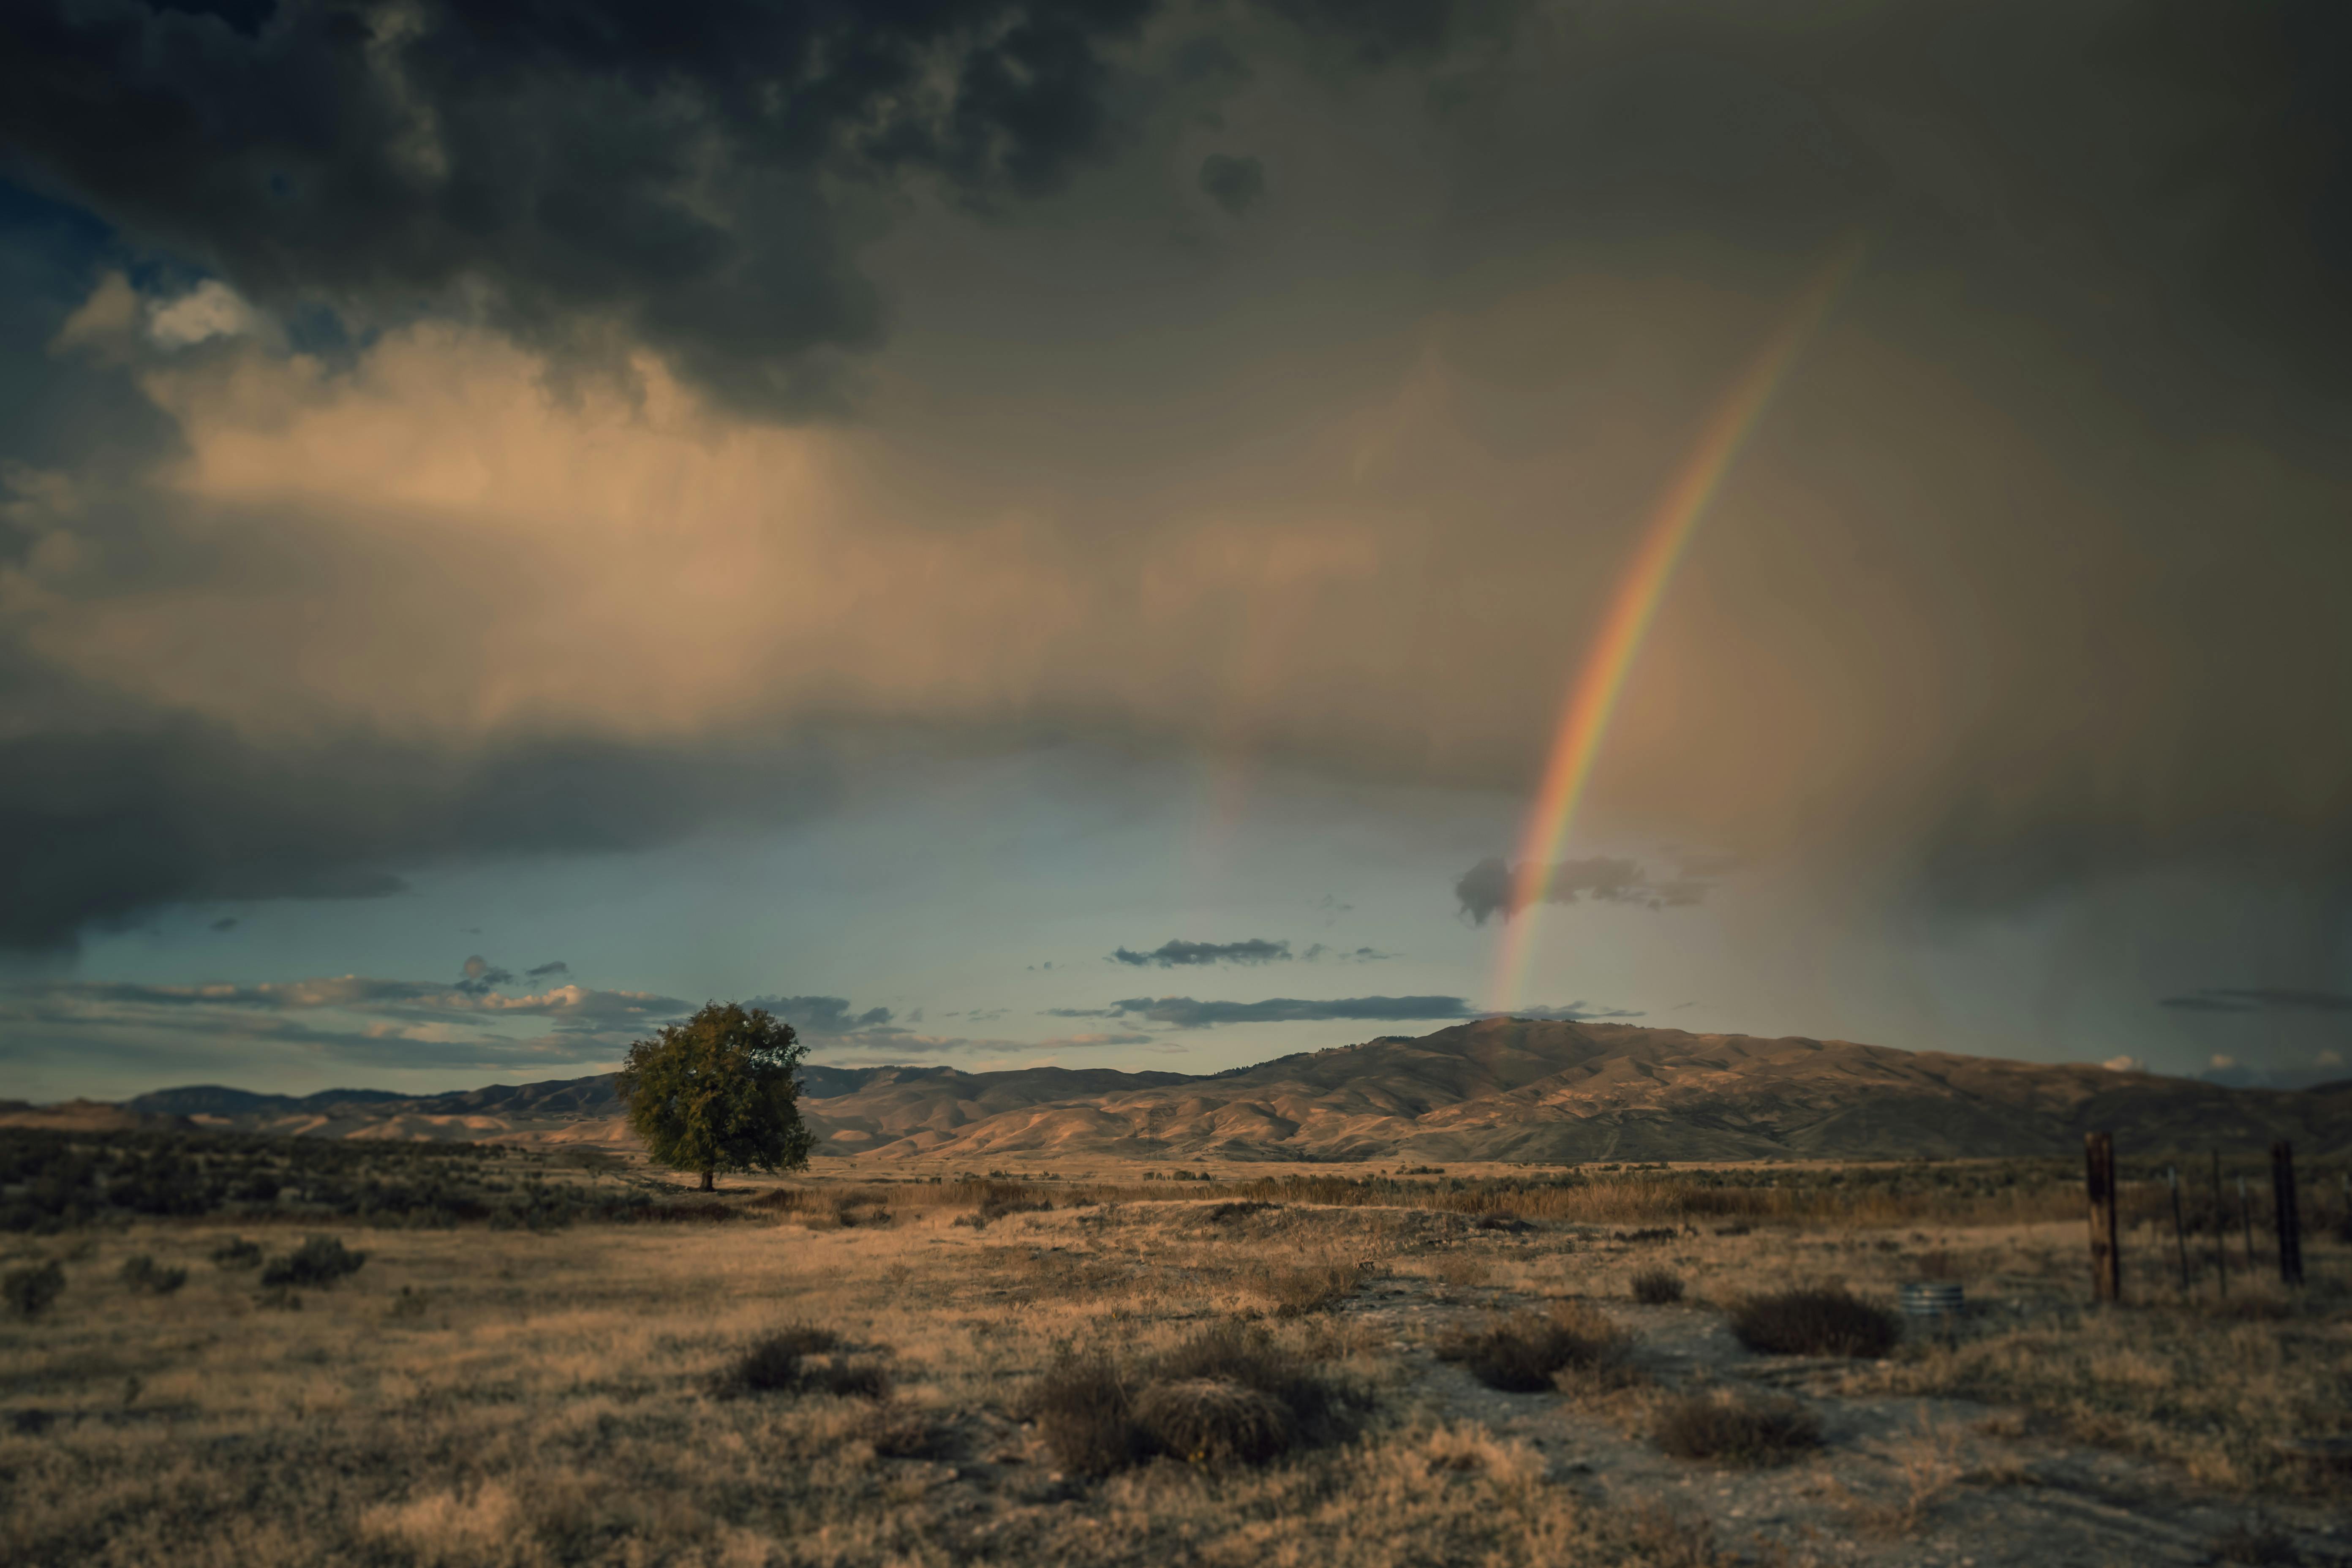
(1500, 1088)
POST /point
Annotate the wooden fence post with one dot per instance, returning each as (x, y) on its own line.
(2106, 1259)
(2221, 1229)
(2290, 1224)
(2180, 1233)
(2246, 1213)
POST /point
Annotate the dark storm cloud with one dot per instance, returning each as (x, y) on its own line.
(124, 811)
(1177, 952)
(2116, 237)
(698, 176)
(1489, 888)
(543, 971)
(1185, 1012)
(1233, 184)
(673, 169)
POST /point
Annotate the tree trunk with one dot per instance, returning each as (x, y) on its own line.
(705, 1180)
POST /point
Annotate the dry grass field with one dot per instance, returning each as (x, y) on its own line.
(1115, 1370)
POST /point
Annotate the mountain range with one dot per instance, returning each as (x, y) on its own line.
(1497, 1089)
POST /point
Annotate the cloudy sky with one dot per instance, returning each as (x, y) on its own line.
(1044, 531)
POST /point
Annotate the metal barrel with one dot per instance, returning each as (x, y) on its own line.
(1932, 1298)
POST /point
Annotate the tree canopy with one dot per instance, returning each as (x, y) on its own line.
(716, 1093)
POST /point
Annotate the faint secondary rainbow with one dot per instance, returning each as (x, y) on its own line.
(1601, 678)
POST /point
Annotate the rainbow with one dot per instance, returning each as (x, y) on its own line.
(1601, 678)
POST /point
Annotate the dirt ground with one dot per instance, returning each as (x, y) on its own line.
(472, 1397)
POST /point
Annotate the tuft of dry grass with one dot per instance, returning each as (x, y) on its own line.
(1296, 1292)
(1657, 1287)
(898, 1434)
(237, 1253)
(319, 1261)
(139, 1273)
(2203, 1387)
(1226, 1395)
(1085, 1412)
(1820, 1321)
(801, 1358)
(32, 1291)
(1214, 1421)
(1735, 1429)
(1525, 1353)
(1462, 1270)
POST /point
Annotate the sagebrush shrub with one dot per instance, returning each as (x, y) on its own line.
(319, 1261)
(1314, 1289)
(141, 1273)
(32, 1291)
(1085, 1415)
(1524, 1353)
(1245, 1355)
(787, 1361)
(1822, 1321)
(907, 1435)
(237, 1253)
(1213, 1421)
(1732, 1430)
(1657, 1287)
(1227, 1396)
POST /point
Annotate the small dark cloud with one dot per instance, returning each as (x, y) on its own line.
(823, 1014)
(2260, 999)
(1185, 1012)
(1179, 953)
(1318, 953)
(227, 922)
(1234, 184)
(481, 976)
(1491, 887)
(544, 971)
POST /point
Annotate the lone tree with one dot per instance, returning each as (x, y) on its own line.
(716, 1093)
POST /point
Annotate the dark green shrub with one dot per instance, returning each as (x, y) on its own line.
(32, 1291)
(1657, 1287)
(237, 1253)
(319, 1261)
(1731, 1430)
(141, 1273)
(1818, 1321)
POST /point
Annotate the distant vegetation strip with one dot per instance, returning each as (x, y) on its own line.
(53, 1181)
